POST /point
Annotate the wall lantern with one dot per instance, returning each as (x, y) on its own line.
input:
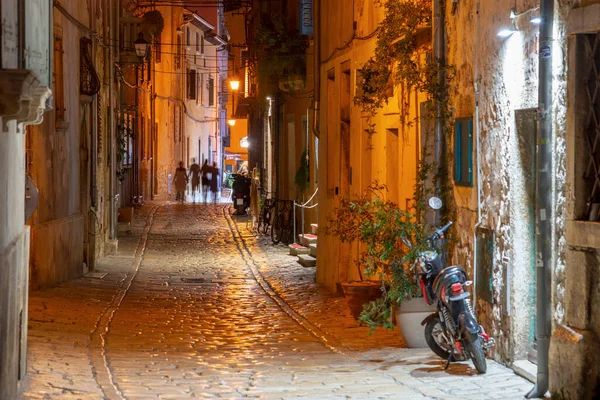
(244, 143)
(506, 32)
(231, 121)
(141, 46)
(234, 84)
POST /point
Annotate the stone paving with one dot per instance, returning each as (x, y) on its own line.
(195, 306)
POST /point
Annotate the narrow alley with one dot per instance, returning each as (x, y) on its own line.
(195, 306)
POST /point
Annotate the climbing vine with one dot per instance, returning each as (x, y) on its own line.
(403, 57)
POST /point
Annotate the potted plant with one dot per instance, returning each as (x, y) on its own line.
(379, 225)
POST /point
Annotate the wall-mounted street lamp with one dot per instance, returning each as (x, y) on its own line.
(141, 46)
(244, 143)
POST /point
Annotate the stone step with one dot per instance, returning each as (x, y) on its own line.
(314, 228)
(313, 250)
(307, 261)
(307, 239)
(297, 249)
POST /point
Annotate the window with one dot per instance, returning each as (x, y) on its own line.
(188, 37)
(143, 138)
(202, 44)
(211, 91)
(58, 77)
(586, 137)
(157, 48)
(200, 98)
(192, 84)
(463, 152)
(178, 53)
(197, 42)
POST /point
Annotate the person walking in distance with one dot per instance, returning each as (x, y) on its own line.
(195, 175)
(206, 171)
(180, 180)
(214, 182)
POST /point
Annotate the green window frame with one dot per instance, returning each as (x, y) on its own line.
(463, 152)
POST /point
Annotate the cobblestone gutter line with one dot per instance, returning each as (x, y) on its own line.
(245, 253)
(99, 359)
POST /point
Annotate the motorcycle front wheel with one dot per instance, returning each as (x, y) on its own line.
(475, 349)
(436, 338)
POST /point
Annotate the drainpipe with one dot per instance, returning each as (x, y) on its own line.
(544, 195)
(111, 125)
(439, 55)
(317, 85)
(477, 84)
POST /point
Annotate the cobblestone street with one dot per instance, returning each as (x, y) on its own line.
(195, 306)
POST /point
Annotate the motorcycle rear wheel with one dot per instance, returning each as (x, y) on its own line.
(475, 349)
(434, 336)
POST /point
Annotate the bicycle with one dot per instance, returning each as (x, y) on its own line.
(265, 215)
(281, 229)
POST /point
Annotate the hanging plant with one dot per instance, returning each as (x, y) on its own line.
(153, 22)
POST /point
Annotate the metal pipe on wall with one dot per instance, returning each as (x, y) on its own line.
(439, 50)
(111, 125)
(545, 196)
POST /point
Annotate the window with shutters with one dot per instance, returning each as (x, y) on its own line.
(58, 77)
(192, 84)
(200, 88)
(157, 49)
(177, 62)
(202, 45)
(197, 42)
(211, 91)
(463, 152)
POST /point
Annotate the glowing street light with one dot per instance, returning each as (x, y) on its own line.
(231, 121)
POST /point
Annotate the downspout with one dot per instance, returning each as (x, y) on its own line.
(476, 81)
(440, 58)
(111, 126)
(317, 85)
(544, 195)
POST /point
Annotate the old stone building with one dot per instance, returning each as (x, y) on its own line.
(493, 48)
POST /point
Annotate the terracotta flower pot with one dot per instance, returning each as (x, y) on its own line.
(359, 293)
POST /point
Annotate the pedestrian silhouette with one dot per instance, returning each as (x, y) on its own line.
(180, 180)
(214, 182)
(206, 171)
(195, 175)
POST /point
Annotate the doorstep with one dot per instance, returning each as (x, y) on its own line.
(526, 369)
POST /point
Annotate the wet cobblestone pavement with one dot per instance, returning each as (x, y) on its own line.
(195, 306)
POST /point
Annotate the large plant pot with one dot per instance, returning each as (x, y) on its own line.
(359, 293)
(409, 316)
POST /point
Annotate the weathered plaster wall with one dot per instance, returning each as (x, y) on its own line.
(389, 156)
(505, 71)
(55, 167)
(574, 340)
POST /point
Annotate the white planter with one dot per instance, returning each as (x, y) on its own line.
(409, 316)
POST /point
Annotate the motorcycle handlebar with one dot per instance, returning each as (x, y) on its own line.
(440, 232)
(445, 227)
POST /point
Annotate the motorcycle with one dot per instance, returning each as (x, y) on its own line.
(452, 331)
(240, 193)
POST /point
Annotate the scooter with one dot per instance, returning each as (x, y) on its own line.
(452, 331)
(240, 193)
